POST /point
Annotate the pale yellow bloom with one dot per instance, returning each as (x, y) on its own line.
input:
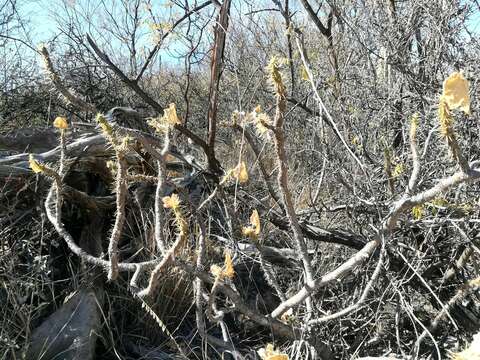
(158, 125)
(60, 122)
(248, 231)
(254, 229)
(269, 353)
(239, 172)
(35, 165)
(227, 271)
(255, 221)
(442, 202)
(169, 118)
(228, 266)
(216, 271)
(170, 115)
(171, 202)
(456, 92)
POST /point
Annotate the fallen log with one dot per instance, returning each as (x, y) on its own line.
(70, 332)
(29, 140)
(84, 145)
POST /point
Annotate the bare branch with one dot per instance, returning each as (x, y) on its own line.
(216, 68)
(157, 46)
(67, 94)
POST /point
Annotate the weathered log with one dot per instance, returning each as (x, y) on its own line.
(29, 140)
(70, 332)
(85, 145)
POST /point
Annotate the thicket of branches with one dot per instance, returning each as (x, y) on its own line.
(236, 179)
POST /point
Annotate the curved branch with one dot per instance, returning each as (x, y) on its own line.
(77, 250)
(403, 205)
(130, 83)
(61, 88)
(164, 36)
(133, 84)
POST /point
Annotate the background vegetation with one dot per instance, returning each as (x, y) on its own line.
(314, 185)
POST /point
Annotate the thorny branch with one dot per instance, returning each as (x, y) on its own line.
(170, 256)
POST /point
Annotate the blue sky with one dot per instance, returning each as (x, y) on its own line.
(41, 15)
(38, 11)
(44, 24)
(474, 23)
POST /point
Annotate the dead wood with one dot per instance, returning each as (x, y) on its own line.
(31, 140)
(69, 333)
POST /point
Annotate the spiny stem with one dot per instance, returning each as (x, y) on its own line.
(121, 192)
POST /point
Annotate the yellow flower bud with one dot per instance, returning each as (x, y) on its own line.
(227, 271)
(170, 115)
(254, 229)
(456, 92)
(269, 353)
(241, 173)
(35, 165)
(171, 202)
(60, 122)
(228, 265)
